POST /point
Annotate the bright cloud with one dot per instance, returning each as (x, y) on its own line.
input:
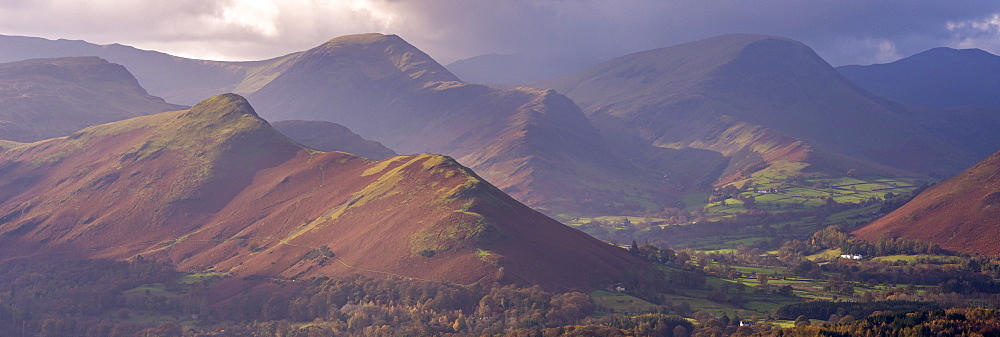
(259, 16)
(454, 29)
(981, 33)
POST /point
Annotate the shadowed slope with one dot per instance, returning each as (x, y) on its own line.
(937, 78)
(961, 213)
(748, 98)
(45, 98)
(216, 188)
(328, 136)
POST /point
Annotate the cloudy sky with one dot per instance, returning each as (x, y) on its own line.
(842, 31)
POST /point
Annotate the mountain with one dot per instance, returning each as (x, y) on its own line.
(534, 144)
(961, 213)
(327, 136)
(516, 68)
(937, 78)
(216, 188)
(176, 79)
(738, 104)
(970, 128)
(46, 98)
(356, 81)
(387, 90)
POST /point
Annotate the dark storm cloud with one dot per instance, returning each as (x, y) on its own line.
(843, 31)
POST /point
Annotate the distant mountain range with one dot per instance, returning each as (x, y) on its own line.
(534, 144)
(46, 98)
(178, 80)
(961, 213)
(216, 188)
(937, 78)
(654, 123)
(736, 105)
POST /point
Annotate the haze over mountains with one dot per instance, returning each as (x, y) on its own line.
(516, 68)
(361, 188)
(753, 102)
(937, 78)
(46, 98)
(178, 80)
(535, 144)
(523, 140)
(652, 124)
(216, 188)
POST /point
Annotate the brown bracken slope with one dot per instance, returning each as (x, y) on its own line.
(961, 213)
(46, 98)
(328, 136)
(216, 188)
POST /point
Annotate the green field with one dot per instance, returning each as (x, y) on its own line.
(780, 195)
(800, 206)
(621, 303)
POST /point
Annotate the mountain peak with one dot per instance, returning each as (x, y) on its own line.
(353, 62)
(730, 45)
(746, 38)
(223, 105)
(364, 39)
(949, 56)
(937, 78)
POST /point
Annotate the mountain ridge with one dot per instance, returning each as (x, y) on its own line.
(215, 188)
(177, 79)
(44, 98)
(936, 78)
(720, 93)
(385, 89)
